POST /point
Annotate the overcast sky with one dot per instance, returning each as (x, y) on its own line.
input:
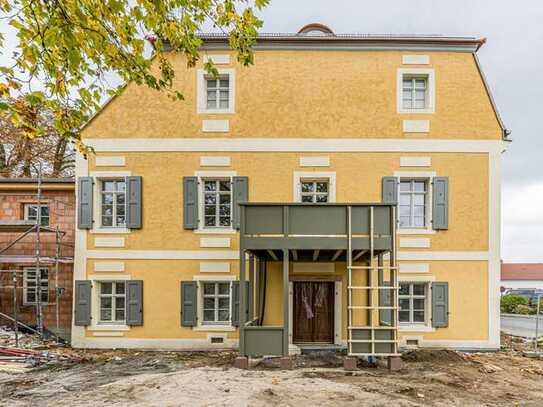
(511, 59)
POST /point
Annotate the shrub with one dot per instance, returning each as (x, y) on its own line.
(510, 302)
(524, 310)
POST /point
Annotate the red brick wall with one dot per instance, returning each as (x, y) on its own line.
(62, 214)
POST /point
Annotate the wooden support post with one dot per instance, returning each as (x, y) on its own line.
(285, 302)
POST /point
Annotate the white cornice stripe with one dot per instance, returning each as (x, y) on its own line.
(164, 254)
(234, 255)
(293, 145)
(443, 256)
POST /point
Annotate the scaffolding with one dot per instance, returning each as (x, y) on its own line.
(39, 259)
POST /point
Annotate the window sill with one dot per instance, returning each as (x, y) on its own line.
(216, 231)
(109, 231)
(416, 328)
(415, 231)
(216, 111)
(416, 111)
(106, 327)
(214, 328)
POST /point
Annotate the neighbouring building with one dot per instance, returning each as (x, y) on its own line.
(522, 275)
(19, 208)
(352, 180)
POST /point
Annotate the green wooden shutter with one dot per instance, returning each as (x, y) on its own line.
(190, 202)
(84, 202)
(389, 190)
(134, 302)
(440, 203)
(235, 303)
(82, 302)
(440, 304)
(133, 202)
(189, 303)
(240, 193)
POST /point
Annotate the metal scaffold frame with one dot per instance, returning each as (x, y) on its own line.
(40, 260)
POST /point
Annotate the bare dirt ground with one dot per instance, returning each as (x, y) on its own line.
(135, 378)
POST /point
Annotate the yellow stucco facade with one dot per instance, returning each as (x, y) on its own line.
(343, 105)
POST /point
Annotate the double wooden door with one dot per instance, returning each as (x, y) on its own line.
(313, 312)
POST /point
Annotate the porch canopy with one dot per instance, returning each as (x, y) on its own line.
(328, 232)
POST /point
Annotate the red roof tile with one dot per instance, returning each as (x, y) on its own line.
(522, 271)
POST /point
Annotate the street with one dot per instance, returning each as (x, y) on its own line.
(521, 325)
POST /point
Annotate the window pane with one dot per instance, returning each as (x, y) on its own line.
(105, 302)
(119, 303)
(407, 84)
(224, 83)
(224, 199)
(107, 199)
(224, 303)
(418, 289)
(418, 304)
(404, 303)
(224, 288)
(405, 210)
(307, 198)
(209, 221)
(209, 303)
(418, 211)
(322, 198)
(105, 315)
(106, 288)
(108, 186)
(420, 84)
(210, 210)
(224, 210)
(224, 185)
(418, 199)
(407, 104)
(404, 316)
(419, 104)
(209, 315)
(210, 185)
(418, 222)
(404, 221)
(224, 221)
(406, 95)
(210, 199)
(31, 296)
(119, 288)
(107, 221)
(119, 315)
(107, 210)
(223, 94)
(209, 288)
(223, 104)
(418, 316)
(322, 186)
(32, 212)
(224, 315)
(405, 186)
(307, 187)
(121, 186)
(211, 83)
(404, 289)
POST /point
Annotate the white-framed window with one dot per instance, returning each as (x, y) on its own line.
(314, 187)
(31, 213)
(315, 190)
(216, 302)
(113, 203)
(413, 300)
(112, 302)
(415, 90)
(413, 203)
(216, 94)
(31, 282)
(217, 202)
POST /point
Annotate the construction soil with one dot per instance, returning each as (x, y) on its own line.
(136, 378)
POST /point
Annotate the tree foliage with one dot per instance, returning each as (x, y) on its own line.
(22, 156)
(510, 302)
(67, 50)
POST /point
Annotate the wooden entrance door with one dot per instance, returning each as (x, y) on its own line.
(313, 312)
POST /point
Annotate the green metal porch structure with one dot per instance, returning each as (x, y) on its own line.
(363, 236)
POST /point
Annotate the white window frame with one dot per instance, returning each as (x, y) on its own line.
(96, 279)
(300, 176)
(27, 207)
(427, 176)
(115, 193)
(25, 285)
(411, 193)
(426, 73)
(113, 296)
(217, 193)
(98, 177)
(200, 326)
(216, 295)
(201, 90)
(212, 175)
(411, 297)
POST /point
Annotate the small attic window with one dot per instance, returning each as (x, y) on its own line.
(315, 29)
